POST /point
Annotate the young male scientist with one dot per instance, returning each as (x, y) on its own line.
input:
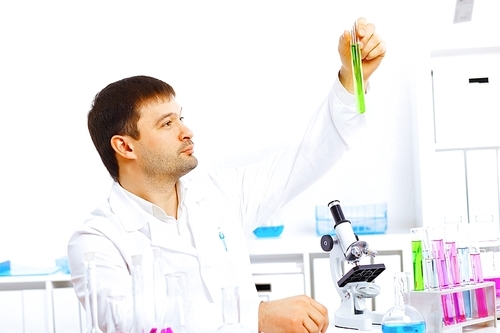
(137, 128)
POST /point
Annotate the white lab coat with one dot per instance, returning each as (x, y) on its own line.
(234, 201)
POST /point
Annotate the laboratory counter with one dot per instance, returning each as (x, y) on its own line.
(61, 310)
(291, 264)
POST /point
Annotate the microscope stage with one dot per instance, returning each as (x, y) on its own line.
(362, 273)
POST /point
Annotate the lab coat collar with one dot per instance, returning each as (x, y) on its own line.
(132, 216)
(186, 188)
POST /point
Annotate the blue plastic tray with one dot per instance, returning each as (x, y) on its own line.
(270, 231)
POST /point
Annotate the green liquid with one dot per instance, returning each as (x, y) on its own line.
(357, 73)
(418, 273)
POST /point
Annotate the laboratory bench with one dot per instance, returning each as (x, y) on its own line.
(291, 264)
(39, 303)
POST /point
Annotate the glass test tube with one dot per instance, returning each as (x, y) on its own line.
(452, 236)
(464, 262)
(477, 276)
(447, 301)
(357, 71)
(138, 295)
(417, 257)
(160, 291)
(453, 266)
(430, 268)
(431, 276)
(91, 293)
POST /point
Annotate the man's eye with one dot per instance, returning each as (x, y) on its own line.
(168, 123)
(181, 118)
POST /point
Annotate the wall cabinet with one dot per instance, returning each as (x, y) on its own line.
(279, 276)
(466, 141)
(11, 311)
(465, 87)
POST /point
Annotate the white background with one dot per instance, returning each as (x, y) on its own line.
(248, 75)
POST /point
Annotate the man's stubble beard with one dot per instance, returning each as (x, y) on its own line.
(160, 167)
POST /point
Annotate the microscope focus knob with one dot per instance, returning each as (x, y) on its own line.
(327, 242)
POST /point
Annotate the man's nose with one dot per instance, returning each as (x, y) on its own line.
(185, 133)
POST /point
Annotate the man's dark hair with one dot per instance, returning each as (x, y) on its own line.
(115, 111)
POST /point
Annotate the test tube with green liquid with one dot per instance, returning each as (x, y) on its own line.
(357, 71)
(417, 257)
(418, 274)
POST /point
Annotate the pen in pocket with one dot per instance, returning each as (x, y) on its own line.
(222, 238)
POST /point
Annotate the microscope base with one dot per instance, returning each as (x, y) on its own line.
(362, 322)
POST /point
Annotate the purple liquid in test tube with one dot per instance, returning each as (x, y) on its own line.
(447, 301)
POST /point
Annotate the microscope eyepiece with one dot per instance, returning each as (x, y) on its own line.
(336, 210)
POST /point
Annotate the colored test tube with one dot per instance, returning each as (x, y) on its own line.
(417, 258)
(477, 277)
(447, 300)
(418, 273)
(454, 273)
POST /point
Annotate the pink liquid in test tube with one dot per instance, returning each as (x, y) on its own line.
(477, 276)
(447, 300)
(454, 270)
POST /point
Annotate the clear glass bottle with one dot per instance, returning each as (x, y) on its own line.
(91, 293)
(402, 317)
(117, 312)
(231, 312)
(160, 291)
(177, 302)
(138, 295)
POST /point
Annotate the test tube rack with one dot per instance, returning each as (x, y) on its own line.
(429, 304)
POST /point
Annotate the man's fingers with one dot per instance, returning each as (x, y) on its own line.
(373, 46)
(319, 315)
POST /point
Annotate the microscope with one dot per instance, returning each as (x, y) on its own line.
(357, 284)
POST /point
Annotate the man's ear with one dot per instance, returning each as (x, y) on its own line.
(123, 145)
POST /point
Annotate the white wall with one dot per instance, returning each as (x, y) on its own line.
(248, 75)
